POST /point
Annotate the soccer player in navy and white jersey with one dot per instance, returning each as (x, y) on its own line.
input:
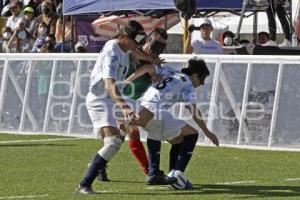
(160, 124)
(104, 95)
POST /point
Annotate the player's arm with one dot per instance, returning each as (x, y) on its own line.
(147, 68)
(140, 55)
(197, 116)
(188, 49)
(109, 75)
(116, 96)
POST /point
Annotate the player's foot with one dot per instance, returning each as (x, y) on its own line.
(160, 179)
(103, 175)
(84, 190)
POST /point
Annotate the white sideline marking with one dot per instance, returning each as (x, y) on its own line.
(42, 140)
(156, 187)
(292, 179)
(235, 182)
(25, 197)
(108, 191)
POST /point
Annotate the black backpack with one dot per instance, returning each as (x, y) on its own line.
(187, 7)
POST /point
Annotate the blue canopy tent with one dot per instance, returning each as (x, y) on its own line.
(157, 8)
(154, 7)
(77, 7)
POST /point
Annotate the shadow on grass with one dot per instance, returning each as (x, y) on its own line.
(249, 191)
(35, 145)
(125, 181)
(240, 191)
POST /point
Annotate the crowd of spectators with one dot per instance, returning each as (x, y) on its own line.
(35, 26)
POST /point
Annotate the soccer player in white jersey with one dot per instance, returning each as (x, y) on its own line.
(154, 46)
(104, 95)
(160, 124)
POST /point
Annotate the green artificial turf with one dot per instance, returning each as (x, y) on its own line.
(52, 170)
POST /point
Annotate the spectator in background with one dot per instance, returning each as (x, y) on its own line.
(41, 45)
(5, 11)
(15, 41)
(67, 29)
(17, 19)
(44, 76)
(7, 40)
(30, 20)
(46, 22)
(277, 7)
(80, 47)
(68, 33)
(204, 45)
(227, 38)
(263, 38)
(50, 43)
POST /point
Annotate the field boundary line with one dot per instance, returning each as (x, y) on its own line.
(292, 179)
(25, 197)
(40, 140)
(235, 182)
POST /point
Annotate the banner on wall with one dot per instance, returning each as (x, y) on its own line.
(85, 33)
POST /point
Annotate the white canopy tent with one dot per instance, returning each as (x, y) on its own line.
(230, 22)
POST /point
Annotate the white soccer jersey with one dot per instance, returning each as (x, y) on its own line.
(175, 87)
(112, 63)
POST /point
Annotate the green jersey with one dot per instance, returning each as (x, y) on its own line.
(140, 84)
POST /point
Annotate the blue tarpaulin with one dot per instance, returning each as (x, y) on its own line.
(75, 7)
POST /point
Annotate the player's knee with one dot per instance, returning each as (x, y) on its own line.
(111, 146)
(133, 133)
(177, 140)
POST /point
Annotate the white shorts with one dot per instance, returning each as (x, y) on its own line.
(104, 112)
(166, 127)
(179, 111)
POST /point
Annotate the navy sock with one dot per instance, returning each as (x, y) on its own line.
(186, 151)
(98, 164)
(154, 147)
(174, 152)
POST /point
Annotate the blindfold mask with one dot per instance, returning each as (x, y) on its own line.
(157, 47)
(138, 37)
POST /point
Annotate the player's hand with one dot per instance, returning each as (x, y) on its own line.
(156, 78)
(128, 113)
(191, 28)
(213, 138)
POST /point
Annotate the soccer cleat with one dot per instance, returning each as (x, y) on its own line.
(160, 179)
(84, 190)
(102, 176)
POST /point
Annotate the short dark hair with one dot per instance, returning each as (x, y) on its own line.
(227, 33)
(196, 66)
(133, 27)
(264, 33)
